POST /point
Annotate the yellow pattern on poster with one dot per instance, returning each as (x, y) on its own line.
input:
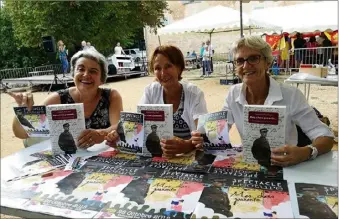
(163, 189)
(245, 200)
(246, 166)
(126, 156)
(185, 160)
(95, 182)
(332, 202)
(129, 128)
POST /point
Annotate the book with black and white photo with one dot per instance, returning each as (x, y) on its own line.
(158, 124)
(264, 129)
(131, 132)
(67, 122)
(34, 121)
(317, 201)
(214, 129)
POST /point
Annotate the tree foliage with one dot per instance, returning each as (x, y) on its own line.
(103, 23)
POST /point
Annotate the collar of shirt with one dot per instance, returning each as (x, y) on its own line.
(274, 93)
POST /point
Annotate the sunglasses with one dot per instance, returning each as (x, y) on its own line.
(253, 60)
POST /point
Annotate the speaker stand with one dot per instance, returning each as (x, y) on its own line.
(56, 79)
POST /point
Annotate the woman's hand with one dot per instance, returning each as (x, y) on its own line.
(289, 155)
(23, 99)
(197, 140)
(89, 137)
(172, 147)
(112, 138)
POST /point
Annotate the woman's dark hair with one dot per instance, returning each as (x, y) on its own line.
(312, 39)
(173, 54)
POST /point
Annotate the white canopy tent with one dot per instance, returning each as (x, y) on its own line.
(214, 20)
(308, 17)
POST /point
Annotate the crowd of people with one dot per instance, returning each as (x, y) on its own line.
(252, 58)
(311, 50)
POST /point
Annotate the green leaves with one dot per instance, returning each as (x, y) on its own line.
(103, 23)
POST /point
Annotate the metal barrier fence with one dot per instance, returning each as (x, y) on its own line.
(292, 60)
(24, 72)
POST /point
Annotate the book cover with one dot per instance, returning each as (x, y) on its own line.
(232, 197)
(193, 162)
(158, 124)
(317, 201)
(147, 197)
(78, 195)
(214, 130)
(235, 167)
(131, 132)
(34, 122)
(67, 122)
(264, 129)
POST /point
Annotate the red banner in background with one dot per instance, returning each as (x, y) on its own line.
(272, 40)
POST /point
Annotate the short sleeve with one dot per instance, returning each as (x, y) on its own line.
(227, 107)
(145, 99)
(200, 106)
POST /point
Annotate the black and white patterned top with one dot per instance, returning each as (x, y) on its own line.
(180, 127)
(100, 116)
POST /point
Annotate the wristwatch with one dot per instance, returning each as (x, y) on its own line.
(314, 152)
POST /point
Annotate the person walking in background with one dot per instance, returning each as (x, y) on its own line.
(285, 51)
(211, 49)
(62, 54)
(118, 50)
(202, 49)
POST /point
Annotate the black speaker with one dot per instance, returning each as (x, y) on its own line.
(142, 45)
(49, 43)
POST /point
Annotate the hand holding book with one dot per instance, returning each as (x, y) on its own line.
(23, 99)
(174, 146)
(289, 155)
(89, 137)
(112, 138)
(197, 139)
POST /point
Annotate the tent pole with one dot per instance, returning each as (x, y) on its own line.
(241, 27)
(159, 40)
(250, 30)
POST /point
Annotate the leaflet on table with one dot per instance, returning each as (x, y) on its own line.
(131, 133)
(234, 197)
(147, 197)
(235, 166)
(15, 193)
(193, 162)
(78, 195)
(317, 201)
(214, 130)
(67, 122)
(34, 122)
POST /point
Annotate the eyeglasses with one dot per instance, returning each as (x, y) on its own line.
(253, 60)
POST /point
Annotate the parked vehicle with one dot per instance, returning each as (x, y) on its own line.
(139, 57)
(120, 64)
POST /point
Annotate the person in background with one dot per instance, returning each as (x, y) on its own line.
(327, 52)
(194, 54)
(202, 49)
(253, 57)
(84, 45)
(102, 106)
(188, 54)
(298, 45)
(118, 50)
(311, 53)
(207, 61)
(62, 54)
(211, 49)
(167, 64)
(285, 53)
(89, 46)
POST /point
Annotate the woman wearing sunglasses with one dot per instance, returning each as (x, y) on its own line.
(253, 57)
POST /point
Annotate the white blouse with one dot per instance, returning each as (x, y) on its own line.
(298, 111)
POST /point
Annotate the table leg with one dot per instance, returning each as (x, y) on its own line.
(308, 91)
